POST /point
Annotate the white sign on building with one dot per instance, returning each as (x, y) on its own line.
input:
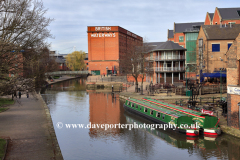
(233, 90)
(103, 35)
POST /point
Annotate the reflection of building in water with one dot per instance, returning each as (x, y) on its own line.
(103, 109)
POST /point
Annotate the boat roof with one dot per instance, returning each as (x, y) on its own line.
(157, 108)
(176, 107)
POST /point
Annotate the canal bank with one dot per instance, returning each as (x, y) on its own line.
(28, 127)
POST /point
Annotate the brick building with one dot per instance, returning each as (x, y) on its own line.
(168, 60)
(233, 83)
(223, 16)
(213, 43)
(185, 34)
(209, 18)
(106, 44)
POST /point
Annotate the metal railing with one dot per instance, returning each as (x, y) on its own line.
(169, 69)
(149, 58)
(174, 57)
(67, 73)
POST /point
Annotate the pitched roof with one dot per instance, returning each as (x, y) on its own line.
(183, 27)
(229, 13)
(211, 16)
(168, 45)
(221, 33)
(170, 33)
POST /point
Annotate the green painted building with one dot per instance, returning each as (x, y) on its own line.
(191, 38)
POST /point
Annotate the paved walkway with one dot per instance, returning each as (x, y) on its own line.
(29, 127)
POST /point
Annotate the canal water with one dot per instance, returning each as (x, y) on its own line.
(70, 103)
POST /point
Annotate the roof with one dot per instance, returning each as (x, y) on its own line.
(59, 60)
(183, 27)
(211, 16)
(170, 33)
(221, 33)
(168, 45)
(229, 13)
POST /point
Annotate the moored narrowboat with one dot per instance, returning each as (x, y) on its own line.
(181, 122)
(208, 123)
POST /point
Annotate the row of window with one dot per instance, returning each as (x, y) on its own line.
(216, 47)
(158, 115)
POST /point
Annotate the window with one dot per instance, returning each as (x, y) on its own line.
(151, 112)
(163, 116)
(132, 104)
(229, 45)
(216, 23)
(238, 12)
(158, 115)
(215, 47)
(180, 38)
(145, 109)
(140, 108)
(231, 22)
(128, 103)
(136, 106)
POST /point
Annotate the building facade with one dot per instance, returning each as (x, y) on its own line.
(233, 84)
(213, 43)
(185, 34)
(106, 44)
(168, 60)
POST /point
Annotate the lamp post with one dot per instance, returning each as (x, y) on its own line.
(107, 70)
(186, 80)
(221, 80)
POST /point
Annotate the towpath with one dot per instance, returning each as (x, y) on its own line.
(29, 127)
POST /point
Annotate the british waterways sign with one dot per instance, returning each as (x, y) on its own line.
(233, 90)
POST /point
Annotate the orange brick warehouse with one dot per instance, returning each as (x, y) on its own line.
(105, 45)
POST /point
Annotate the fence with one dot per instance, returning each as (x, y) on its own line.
(169, 69)
(208, 89)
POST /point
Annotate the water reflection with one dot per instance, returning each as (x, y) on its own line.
(69, 103)
(104, 108)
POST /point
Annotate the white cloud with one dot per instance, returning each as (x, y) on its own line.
(149, 18)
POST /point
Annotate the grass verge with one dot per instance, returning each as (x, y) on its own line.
(2, 147)
(5, 101)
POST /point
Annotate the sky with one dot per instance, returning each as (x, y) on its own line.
(149, 19)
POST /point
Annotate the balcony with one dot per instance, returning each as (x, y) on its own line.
(169, 69)
(171, 58)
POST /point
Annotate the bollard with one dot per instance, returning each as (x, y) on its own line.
(112, 88)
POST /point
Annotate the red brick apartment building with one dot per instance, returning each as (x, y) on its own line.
(106, 44)
(177, 35)
(223, 16)
(233, 84)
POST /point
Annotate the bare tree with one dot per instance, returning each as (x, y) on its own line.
(23, 28)
(134, 62)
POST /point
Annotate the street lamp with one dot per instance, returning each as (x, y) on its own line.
(186, 80)
(221, 80)
(107, 70)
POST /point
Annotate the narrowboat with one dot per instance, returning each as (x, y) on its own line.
(161, 115)
(207, 123)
